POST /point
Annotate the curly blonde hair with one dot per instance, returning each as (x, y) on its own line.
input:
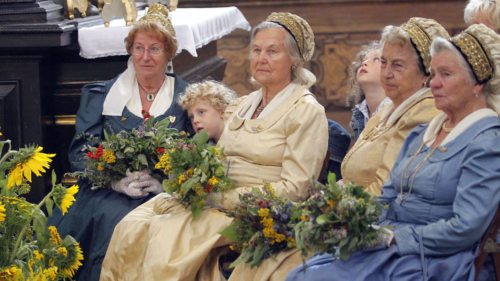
(217, 94)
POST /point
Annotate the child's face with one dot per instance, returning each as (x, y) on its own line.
(204, 116)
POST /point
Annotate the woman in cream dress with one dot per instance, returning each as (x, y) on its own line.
(404, 73)
(277, 134)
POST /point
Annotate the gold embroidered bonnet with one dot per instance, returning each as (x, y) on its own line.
(422, 31)
(159, 13)
(475, 54)
(299, 29)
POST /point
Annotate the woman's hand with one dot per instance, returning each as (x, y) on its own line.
(147, 183)
(125, 185)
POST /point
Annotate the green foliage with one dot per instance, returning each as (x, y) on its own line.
(337, 219)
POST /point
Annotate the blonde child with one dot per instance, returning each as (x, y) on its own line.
(205, 103)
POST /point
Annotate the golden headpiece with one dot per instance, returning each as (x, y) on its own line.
(475, 54)
(299, 29)
(422, 31)
(159, 13)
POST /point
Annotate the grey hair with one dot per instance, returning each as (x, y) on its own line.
(396, 35)
(300, 74)
(487, 9)
(440, 44)
(356, 94)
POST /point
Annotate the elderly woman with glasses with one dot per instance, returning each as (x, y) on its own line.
(404, 71)
(142, 90)
(444, 188)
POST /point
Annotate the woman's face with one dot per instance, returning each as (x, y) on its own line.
(451, 84)
(270, 63)
(400, 74)
(369, 71)
(149, 55)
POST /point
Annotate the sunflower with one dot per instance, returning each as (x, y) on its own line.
(75, 257)
(11, 273)
(68, 198)
(37, 163)
(2, 212)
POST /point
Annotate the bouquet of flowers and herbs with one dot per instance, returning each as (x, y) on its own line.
(263, 226)
(135, 150)
(337, 219)
(29, 250)
(194, 169)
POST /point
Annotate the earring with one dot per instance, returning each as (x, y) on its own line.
(294, 67)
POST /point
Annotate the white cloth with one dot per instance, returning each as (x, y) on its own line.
(254, 99)
(120, 95)
(194, 28)
(437, 122)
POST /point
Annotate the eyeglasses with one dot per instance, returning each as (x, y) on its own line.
(139, 50)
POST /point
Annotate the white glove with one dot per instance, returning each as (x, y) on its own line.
(124, 185)
(147, 183)
(385, 236)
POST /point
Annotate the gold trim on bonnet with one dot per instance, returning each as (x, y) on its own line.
(475, 56)
(421, 40)
(159, 13)
(291, 26)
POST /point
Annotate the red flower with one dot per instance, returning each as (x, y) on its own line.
(262, 204)
(97, 154)
(208, 188)
(160, 150)
(145, 114)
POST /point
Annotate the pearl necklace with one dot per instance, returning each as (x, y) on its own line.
(446, 129)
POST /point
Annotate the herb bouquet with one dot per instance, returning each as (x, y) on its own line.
(194, 169)
(134, 150)
(29, 250)
(337, 219)
(262, 227)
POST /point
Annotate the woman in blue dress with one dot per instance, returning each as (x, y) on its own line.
(445, 186)
(123, 103)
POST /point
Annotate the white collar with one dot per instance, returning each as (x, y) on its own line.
(254, 99)
(125, 92)
(437, 122)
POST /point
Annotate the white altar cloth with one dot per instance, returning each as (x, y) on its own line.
(194, 28)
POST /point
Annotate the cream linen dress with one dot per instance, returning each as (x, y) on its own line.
(285, 146)
(369, 162)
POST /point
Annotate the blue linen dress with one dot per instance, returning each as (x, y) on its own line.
(454, 195)
(93, 216)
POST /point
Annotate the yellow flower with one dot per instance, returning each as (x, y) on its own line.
(11, 273)
(68, 199)
(36, 164)
(109, 156)
(100, 167)
(182, 178)
(54, 235)
(2, 212)
(62, 251)
(304, 217)
(278, 237)
(164, 163)
(264, 212)
(50, 273)
(213, 181)
(38, 255)
(268, 232)
(76, 253)
(267, 222)
(269, 188)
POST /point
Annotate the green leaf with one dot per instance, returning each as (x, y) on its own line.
(142, 159)
(230, 232)
(49, 205)
(201, 138)
(332, 178)
(258, 254)
(322, 219)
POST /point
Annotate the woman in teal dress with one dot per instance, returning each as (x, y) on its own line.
(123, 103)
(444, 188)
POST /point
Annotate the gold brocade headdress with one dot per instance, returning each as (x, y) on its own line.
(475, 54)
(422, 31)
(299, 29)
(159, 13)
